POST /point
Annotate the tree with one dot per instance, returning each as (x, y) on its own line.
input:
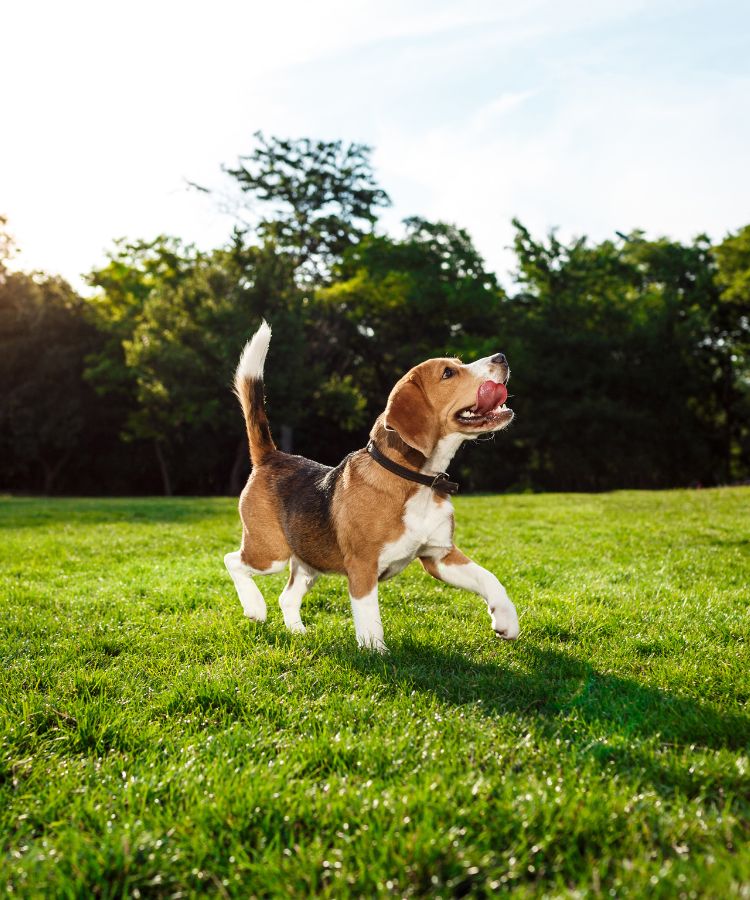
(321, 197)
(47, 411)
(731, 341)
(135, 271)
(179, 319)
(7, 247)
(606, 340)
(680, 281)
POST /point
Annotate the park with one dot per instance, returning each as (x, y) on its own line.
(548, 201)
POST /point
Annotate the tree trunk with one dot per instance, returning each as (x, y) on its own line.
(52, 471)
(286, 438)
(165, 479)
(240, 466)
(727, 403)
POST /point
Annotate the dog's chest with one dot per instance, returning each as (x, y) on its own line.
(428, 525)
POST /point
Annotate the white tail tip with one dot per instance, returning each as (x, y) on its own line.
(254, 355)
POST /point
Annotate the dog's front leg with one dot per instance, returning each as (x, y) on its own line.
(363, 593)
(458, 570)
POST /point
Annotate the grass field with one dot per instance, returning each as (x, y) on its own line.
(154, 742)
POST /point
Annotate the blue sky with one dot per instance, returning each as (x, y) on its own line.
(590, 116)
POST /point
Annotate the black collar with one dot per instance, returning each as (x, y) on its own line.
(437, 482)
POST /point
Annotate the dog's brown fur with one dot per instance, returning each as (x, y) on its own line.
(340, 519)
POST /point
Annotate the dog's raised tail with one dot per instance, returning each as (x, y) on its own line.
(248, 385)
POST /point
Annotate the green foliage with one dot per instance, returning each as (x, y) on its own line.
(195, 327)
(47, 412)
(617, 351)
(6, 246)
(732, 338)
(339, 399)
(322, 196)
(180, 318)
(152, 738)
(134, 272)
(733, 260)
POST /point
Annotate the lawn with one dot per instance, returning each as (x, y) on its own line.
(154, 742)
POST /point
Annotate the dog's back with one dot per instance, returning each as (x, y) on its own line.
(304, 491)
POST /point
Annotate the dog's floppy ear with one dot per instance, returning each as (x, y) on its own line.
(410, 415)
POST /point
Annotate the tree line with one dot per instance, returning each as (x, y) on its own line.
(630, 357)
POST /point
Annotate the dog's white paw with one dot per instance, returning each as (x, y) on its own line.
(297, 627)
(372, 642)
(505, 620)
(255, 610)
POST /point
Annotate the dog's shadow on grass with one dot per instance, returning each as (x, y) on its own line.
(562, 692)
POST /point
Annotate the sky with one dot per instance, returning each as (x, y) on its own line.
(589, 115)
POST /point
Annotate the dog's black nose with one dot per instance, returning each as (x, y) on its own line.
(500, 359)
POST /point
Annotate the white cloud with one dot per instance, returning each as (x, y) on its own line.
(487, 115)
(601, 153)
(478, 112)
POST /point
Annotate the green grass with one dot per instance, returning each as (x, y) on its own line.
(153, 742)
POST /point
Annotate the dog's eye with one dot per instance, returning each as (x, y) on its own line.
(448, 372)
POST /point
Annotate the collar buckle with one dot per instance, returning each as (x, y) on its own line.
(440, 482)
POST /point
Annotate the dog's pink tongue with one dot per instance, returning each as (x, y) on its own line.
(490, 395)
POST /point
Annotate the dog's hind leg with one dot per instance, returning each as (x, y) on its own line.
(253, 604)
(301, 579)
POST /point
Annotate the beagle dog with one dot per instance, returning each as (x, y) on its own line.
(380, 508)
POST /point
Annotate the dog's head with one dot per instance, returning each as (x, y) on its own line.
(441, 397)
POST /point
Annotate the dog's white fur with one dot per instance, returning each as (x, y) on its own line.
(253, 356)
